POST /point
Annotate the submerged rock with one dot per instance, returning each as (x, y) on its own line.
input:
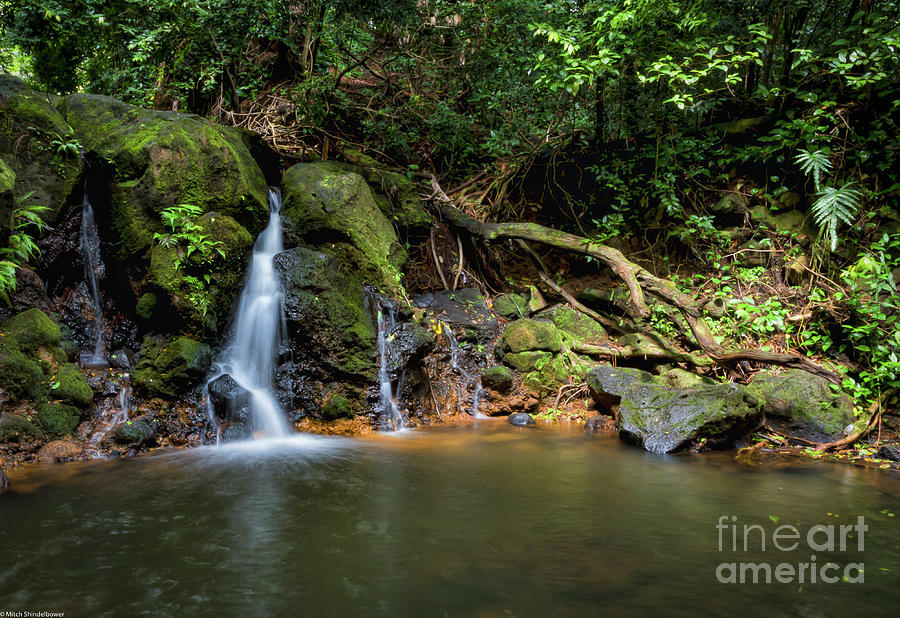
(803, 405)
(520, 419)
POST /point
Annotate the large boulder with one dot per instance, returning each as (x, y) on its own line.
(665, 420)
(164, 159)
(655, 413)
(575, 326)
(38, 146)
(230, 401)
(804, 405)
(325, 204)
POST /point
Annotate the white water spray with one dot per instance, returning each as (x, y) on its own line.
(90, 252)
(250, 355)
(389, 409)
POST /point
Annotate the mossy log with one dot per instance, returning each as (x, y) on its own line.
(638, 280)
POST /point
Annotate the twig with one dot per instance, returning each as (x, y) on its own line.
(459, 266)
(437, 263)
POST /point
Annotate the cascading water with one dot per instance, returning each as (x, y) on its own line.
(93, 269)
(389, 409)
(249, 358)
(476, 400)
(118, 417)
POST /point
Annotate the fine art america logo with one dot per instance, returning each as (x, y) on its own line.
(738, 538)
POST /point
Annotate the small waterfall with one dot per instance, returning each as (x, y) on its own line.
(119, 416)
(476, 400)
(389, 409)
(250, 356)
(454, 347)
(93, 269)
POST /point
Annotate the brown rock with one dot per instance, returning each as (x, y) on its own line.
(60, 450)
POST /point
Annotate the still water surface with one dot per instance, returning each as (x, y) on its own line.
(477, 520)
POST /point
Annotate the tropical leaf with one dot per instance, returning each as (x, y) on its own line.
(835, 206)
(815, 163)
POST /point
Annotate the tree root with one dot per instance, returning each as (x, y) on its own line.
(636, 278)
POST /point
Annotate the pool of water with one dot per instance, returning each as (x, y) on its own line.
(475, 520)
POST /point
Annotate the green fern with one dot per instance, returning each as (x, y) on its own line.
(835, 206)
(815, 163)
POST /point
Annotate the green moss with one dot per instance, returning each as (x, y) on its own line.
(57, 420)
(164, 159)
(337, 406)
(526, 334)
(324, 202)
(14, 428)
(527, 361)
(30, 330)
(20, 376)
(7, 194)
(145, 305)
(577, 325)
(134, 432)
(166, 368)
(497, 378)
(72, 387)
(805, 397)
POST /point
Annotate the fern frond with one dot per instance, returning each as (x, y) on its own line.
(835, 206)
(814, 163)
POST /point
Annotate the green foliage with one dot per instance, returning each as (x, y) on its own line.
(20, 247)
(835, 206)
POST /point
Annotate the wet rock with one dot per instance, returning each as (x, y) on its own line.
(803, 405)
(889, 452)
(464, 309)
(15, 428)
(597, 423)
(520, 419)
(167, 367)
(230, 400)
(524, 362)
(510, 306)
(121, 359)
(236, 433)
(497, 378)
(60, 451)
(665, 420)
(527, 334)
(137, 433)
(607, 384)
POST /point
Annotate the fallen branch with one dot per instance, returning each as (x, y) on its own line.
(636, 278)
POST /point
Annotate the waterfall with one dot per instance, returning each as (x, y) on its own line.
(250, 356)
(476, 400)
(93, 268)
(119, 416)
(389, 409)
(454, 347)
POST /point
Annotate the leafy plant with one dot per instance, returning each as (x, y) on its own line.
(834, 205)
(20, 247)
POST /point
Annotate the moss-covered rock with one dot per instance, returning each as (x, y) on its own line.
(202, 289)
(813, 409)
(71, 386)
(510, 306)
(325, 204)
(38, 146)
(665, 420)
(327, 310)
(145, 305)
(547, 377)
(14, 428)
(527, 334)
(57, 420)
(497, 378)
(576, 326)
(524, 362)
(163, 159)
(30, 330)
(133, 433)
(167, 367)
(336, 407)
(20, 376)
